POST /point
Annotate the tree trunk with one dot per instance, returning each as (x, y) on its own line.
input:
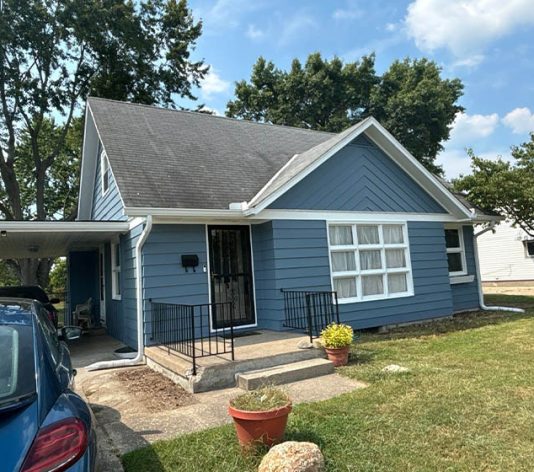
(34, 271)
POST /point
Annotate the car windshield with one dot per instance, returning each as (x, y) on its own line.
(17, 369)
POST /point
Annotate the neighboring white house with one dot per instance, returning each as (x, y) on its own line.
(506, 255)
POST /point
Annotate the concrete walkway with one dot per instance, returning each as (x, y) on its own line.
(125, 424)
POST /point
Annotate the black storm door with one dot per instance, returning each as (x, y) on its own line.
(231, 273)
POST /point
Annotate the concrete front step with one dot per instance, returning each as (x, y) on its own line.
(215, 373)
(284, 373)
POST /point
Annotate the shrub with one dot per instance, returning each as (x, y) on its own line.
(335, 336)
(262, 399)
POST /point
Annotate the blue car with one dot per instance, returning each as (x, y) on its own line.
(44, 425)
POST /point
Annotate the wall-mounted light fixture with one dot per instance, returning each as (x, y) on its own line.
(3, 233)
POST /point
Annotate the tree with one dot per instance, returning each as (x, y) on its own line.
(502, 187)
(410, 99)
(52, 55)
(58, 277)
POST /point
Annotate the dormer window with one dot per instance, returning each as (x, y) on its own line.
(105, 172)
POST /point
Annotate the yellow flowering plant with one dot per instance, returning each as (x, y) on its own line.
(336, 336)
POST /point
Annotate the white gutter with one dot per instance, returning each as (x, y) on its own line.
(483, 306)
(139, 358)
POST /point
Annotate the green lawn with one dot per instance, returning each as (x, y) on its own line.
(466, 405)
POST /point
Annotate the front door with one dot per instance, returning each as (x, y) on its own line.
(231, 274)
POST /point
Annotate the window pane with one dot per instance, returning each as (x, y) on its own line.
(343, 261)
(397, 283)
(372, 285)
(452, 238)
(395, 258)
(345, 287)
(393, 234)
(530, 248)
(368, 235)
(370, 260)
(455, 262)
(340, 235)
(117, 255)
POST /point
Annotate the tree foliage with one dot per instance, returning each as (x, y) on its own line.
(504, 187)
(52, 55)
(410, 99)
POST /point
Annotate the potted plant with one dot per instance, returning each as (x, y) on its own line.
(260, 416)
(336, 339)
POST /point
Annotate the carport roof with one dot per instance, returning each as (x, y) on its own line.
(33, 239)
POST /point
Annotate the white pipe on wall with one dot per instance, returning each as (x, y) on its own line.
(483, 306)
(138, 359)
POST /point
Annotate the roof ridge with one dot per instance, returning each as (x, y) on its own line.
(207, 115)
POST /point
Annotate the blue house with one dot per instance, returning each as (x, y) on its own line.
(229, 223)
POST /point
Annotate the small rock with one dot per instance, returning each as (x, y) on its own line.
(395, 369)
(304, 344)
(318, 344)
(293, 456)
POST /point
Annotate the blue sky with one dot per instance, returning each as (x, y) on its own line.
(488, 44)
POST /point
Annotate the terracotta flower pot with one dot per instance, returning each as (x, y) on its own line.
(265, 427)
(339, 356)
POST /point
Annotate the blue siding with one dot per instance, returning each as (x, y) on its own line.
(164, 278)
(360, 177)
(83, 281)
(121, 315)
(294, 254)
(106, 207)
(465, 296)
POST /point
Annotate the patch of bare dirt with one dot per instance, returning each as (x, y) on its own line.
(155, 391)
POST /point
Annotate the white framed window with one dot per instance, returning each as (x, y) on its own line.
(369, 261)
(454, 241)
(105, 172)
(115, 271)
(529, 247)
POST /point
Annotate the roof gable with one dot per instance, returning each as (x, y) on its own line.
(359, 177)
(302, 165)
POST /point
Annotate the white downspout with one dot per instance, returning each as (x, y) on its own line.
(483, 306)
(138, 359)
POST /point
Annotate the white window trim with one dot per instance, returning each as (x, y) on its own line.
(115, 274)
(357, 273)
(462, 279)
(104, 162)
(460, 250)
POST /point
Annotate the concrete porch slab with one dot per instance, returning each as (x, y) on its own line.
(254, 352)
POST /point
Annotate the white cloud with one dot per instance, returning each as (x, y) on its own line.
(391, 27)
(224, 14)
(520, 120)
(212, 84)
(468, 128)
(470, 61)
(465, 27)
(467, 131)
(254, 33)
(347, 14)
(456, 161)
(295, 26)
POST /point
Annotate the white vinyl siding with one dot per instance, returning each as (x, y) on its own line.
(503, 254)
(369, 261)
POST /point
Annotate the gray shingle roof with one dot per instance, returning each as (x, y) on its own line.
(165, 158)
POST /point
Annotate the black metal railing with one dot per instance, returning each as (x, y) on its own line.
(188, 329)
(310, 311)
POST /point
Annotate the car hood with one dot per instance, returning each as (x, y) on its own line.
(18, 428)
